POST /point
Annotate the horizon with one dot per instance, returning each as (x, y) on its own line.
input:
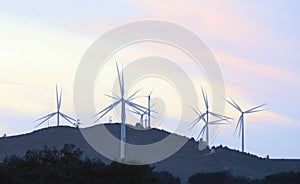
(255, 45)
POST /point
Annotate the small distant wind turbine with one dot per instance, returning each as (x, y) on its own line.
(205, 118)
(241, 122)
(149, 109)
(123, 102)
(58, 113)
(142, 114)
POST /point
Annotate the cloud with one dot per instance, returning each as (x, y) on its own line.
(5, 80)
(254, 68)
(273, 117)
(229, 22)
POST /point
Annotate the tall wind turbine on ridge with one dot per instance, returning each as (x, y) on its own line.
(240, 124)
(204, 128)
(205, 118)
(121, 99)
(58, 113)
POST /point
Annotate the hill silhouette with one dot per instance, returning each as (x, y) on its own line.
(183, 164)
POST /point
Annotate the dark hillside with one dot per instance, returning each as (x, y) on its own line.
(185, 163)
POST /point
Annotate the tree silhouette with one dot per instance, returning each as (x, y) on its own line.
(67, 166)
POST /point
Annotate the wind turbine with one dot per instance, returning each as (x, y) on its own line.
(241, 122)
(142, 114)
(58, 113)
(124, 101)
(204, 129)
(149, 109)
(205, 118)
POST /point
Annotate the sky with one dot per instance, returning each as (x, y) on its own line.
(255, 43)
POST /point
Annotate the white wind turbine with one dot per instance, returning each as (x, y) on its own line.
(142, 114)
(58, 113)
(124, 101)
(240, 123)
(149, 109)
(206, 120)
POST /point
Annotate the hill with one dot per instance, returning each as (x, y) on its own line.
(184, 163)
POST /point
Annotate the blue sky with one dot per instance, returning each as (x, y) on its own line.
(255, 43)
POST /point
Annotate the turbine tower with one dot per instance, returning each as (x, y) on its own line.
(240, 124)
(58, 113)
(124, 101)
(149, 109)
(205, 118)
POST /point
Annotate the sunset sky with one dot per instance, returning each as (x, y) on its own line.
(256, 45)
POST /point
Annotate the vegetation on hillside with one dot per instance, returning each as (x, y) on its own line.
(67, 166)
(226, 177)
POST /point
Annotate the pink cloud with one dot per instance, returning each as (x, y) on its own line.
(230, 22)
(244, 66)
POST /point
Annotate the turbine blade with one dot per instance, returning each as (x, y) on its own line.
(194, 123)
(46, 116)
(238, 124)
(216, 122)
(115, 95)
(123, 84)
(202, 132)
(252, 109)
(104, 113)
(130, 98)
(44, 120)
(153, 89)
(57, 100)
(240, 109)
(197, 112)
(136, 106)
(152, 116)
(67, 118)
(222, 117)
(112, 105)
(205, 98)
(134, 111)
(255, 111)
(120, 81)
(153, 111)
(233, 104)
(133, 98)
(110, 96)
